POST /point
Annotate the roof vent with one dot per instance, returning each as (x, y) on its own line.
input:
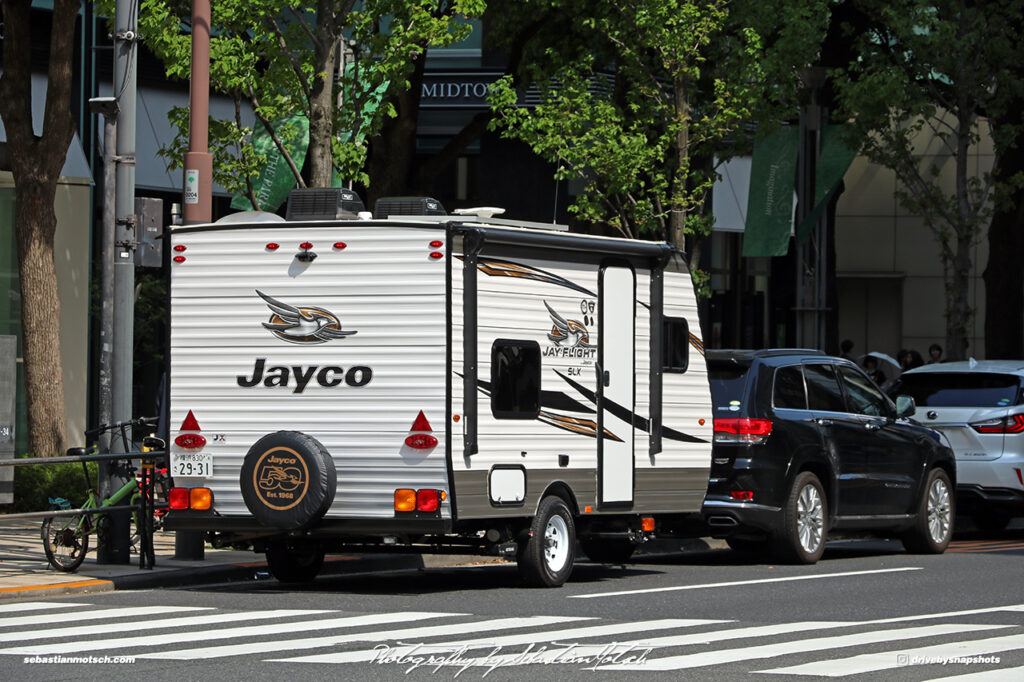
(317, 203)
(389, 206)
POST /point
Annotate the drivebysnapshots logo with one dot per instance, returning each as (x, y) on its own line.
(280, 478)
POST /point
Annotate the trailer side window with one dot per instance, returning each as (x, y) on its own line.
(675, 345)
(515, 379)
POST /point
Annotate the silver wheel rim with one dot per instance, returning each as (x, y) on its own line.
(938, 511)
(810, 519)
(556, 543)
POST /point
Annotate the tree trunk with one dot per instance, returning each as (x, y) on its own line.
(36, 163)
(1004, 277)
(677, 213)
(321, 98)
(393, 152)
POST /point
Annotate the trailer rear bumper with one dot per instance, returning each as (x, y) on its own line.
(326, 528)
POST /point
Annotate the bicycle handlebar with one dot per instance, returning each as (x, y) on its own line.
(138, 421)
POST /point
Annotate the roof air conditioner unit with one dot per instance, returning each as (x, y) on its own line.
(330, 203)
(395, 206)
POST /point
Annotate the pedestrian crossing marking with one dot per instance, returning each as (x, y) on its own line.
(867, 663)
(326, 637)
(704, 659)
(37, 606)
(164, 623)
(50, 618)
(507, 640)
(376, 636)
(123, 643)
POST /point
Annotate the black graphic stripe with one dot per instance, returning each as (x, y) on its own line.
(630, 417)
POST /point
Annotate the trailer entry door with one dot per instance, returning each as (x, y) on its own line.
(617, 357)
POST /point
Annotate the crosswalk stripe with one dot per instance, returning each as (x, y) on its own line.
(708, 658)
(944, 614)
(376, 636)
(741, 583)
(986, 676)
(887, 660)
(36, 606)
(75, 616)
(160, 624)
(123, 644)
(506, 640)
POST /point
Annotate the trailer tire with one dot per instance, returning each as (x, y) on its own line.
(545, 557)
(288, 480)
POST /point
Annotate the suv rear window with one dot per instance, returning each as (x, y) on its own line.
(961, 389)
(727, 383)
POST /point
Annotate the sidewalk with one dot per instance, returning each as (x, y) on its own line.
(24, 571)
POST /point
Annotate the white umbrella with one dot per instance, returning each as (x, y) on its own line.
(886, 363)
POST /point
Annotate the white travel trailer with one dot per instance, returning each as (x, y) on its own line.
(432, 383)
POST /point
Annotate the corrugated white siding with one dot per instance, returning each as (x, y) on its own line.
(382, 284)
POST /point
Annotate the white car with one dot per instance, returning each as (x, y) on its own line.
(979, 406)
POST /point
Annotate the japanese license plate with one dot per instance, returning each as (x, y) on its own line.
(191, 464)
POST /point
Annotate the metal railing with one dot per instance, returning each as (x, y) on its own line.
(145, 508)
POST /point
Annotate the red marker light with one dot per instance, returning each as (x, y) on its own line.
(436, 255)
(421, 441)
(436, 244)
(340, 245)
(190, 441)
(190, 423)
(421, 423)
(177, 498)
(179, 259)
(273, 246)
(179, 248)
(306, 245)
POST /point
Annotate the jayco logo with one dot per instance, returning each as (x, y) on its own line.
(328, 377)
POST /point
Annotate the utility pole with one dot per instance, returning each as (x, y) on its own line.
(197, 191)
(812, 255)
(198, 181)
(116, 549)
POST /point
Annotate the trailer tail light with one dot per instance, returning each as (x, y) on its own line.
(405, 500)
(428, 500)
(340, 245)
(743, 430)
(420, 436)
(436, 255)
(190, 441)
(1011, 424)
(179, 259)
(180, 247)
(421, 441)
(177, 498)
(436, 244)
(200, 499)
(745, 495)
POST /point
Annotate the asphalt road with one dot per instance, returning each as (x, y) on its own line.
(867, 611)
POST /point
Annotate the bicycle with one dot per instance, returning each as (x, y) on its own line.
(66, 539)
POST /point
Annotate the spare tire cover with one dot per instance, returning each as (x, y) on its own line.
(288, 480)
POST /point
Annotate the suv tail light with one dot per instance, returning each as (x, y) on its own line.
(743, 430)
(1011, 424)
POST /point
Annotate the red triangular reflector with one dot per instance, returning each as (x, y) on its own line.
(190, 423)
(421, 424)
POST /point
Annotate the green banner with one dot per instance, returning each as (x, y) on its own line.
(835, 158)
(770, 200)
(272, 185)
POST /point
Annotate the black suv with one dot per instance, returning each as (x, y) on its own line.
(806, 443)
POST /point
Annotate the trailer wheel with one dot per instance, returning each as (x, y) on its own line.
(294, 563)
(288, 480)
(545, 558)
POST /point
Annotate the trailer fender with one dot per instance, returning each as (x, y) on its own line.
(288, 480)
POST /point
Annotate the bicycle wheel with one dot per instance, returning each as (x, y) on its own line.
(65, 541)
